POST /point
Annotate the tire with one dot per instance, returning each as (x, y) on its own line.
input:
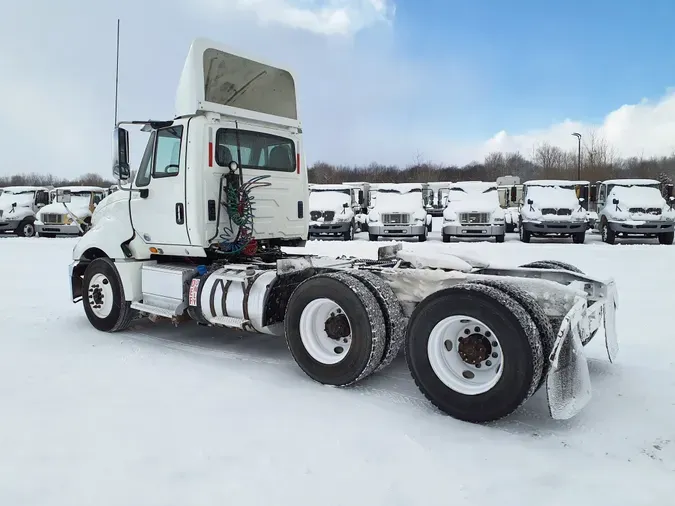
(372, 237)
(394, 318)
(511, 327)
(430, 226)
(552, 264)
(510, 228)
(666, 238)
(362, 311)
(349, 234)
(48, 236)
(525, 235)
(579, 238)
(99, 274)
(26, 228)
(546, 333)
(608, 235)
(423, 237)
(446, 238)
(500, 238)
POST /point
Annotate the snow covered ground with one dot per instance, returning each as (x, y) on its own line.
(196, 416)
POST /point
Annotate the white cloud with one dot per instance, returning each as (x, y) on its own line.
(328, 17)
(644, 129)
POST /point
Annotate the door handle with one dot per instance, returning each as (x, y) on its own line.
(180, 215)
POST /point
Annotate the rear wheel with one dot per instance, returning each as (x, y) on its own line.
(500, 238)
(103, 297)
(372, 237)
(424, 236)
(474, 352)
(666, 238)
(552, 264)
(446, 238)
(335, 329)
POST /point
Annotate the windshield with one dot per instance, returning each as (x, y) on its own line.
(553, 195)
(80, 199)
(328, 200)
(483, 193)
(346, 191)
(25, 198)
(393, 198)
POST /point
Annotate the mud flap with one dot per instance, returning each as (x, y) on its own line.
(568, 384)
(611, 339)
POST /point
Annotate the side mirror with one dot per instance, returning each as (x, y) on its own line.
(233, 166)
(121, 169)
(671, 199)
(514, 193)
(615, 202)
(63, 196)
(582, 200)
(594, 193)
(669, 190)
(530, 202)
(13, 204)
(345, 205)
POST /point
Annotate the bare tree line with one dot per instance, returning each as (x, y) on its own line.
(598, 162)
(34, 179)
(546, 161)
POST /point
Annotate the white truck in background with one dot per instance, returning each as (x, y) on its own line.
(18, 206)
(331, 211)
(70, 212)
(635, 207)
(398, 211)
(553, 208)
(473, 210)
(196, 236)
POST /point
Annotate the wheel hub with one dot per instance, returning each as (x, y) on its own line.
(474, 349)
(337, 326)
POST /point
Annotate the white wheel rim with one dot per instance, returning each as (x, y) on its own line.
(321, 347)
(100, 295)
(486, 363)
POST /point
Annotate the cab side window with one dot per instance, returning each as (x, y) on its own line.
(143, 176)
(167, 152)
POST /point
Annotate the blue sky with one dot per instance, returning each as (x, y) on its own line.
(378, 80)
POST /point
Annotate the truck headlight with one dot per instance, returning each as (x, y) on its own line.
(498, 220)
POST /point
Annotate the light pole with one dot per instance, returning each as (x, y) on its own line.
(578, 136)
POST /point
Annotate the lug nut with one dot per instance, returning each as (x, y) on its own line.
(467, 331)
(494, 343)
(488, 363)
(476, 329)
(477, 366)
(494, 355)
(488, 333)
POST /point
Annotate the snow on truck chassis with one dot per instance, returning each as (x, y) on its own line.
(478, 340)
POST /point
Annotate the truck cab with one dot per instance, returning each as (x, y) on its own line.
(635, 207)
(331, 210)
(554, 208)
(71, 217)
(397, 210)
(222, 152)
(473, 210)
(18, 206)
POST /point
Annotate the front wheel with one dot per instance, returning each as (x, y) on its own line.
(103, 297)
(26, 228)
(500, 238)
(666, 238)
(349, 234)
(525, 235)
(579, 238)
(608, 235)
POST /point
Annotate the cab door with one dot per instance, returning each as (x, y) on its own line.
(158, 200)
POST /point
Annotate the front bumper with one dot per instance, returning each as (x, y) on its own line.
(642, 227)
(396, 230)
(555, 227)
(8, 226)
(329, 227)
(71, 229)
(458, 230)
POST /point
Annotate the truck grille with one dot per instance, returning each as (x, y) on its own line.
(474, 218)
(559, 212)
(650, 210)
(52, 219)
(327, 215)
(395, 219)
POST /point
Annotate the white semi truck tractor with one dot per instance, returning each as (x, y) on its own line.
(199, 234)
